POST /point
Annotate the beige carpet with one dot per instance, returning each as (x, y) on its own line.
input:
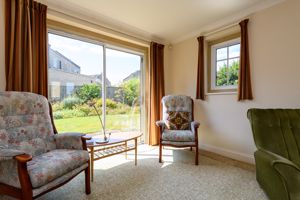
(178, 178)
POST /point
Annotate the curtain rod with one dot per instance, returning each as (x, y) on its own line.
(121, 34)
(220, 29)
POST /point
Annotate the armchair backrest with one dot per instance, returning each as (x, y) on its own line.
(25, 123)
(277, 130)
(177, 103)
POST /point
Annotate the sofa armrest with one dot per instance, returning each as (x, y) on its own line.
(70, 140)
(194, 126)
(8, 154)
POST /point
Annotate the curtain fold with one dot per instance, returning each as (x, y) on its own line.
(26, 46)
(156, 90)
(244, 84)
(200, 72)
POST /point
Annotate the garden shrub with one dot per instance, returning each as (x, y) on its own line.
(88, 92)
(63, 114)
(56, 106)
(58, 115)
(70, 102)
(89, 111)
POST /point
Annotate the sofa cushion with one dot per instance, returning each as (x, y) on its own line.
(178, 135)
(178, 120)
(47, 167)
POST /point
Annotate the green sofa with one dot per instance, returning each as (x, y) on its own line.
(276, 134)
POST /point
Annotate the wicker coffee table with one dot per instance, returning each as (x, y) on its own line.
(117, 144)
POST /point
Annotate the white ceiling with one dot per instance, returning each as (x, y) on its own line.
(168, 21)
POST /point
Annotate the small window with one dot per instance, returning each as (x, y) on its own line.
(70, 88)
(223, 64)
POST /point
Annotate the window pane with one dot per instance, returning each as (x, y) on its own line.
(123, 91)
(222, 53)
(221, 73)
(234, 51)
(233, 71)
(75, 76)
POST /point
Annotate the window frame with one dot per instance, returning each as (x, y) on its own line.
(212, 47)
(85, 35)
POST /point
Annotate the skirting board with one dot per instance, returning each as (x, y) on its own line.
(228, 153)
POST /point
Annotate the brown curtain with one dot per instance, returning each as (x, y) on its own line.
(244, 87)
(26, 46)
(200, 72)
(157, 90)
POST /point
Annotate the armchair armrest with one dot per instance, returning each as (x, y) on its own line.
(194, 126)
(288, 171)
(8, 154)
(70, 140)
(161, 124)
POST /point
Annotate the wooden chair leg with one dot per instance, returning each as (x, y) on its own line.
(160, 153)
(191, 148)
(87, 180)
(197, 158)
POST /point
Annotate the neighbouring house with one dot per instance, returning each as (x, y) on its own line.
(136, 74)
(66, 77)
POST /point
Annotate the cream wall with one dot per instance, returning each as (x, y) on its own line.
(2, 71)
(274, 51)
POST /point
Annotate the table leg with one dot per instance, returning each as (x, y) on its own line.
(92, 163)
(126, 149)
(135, 151)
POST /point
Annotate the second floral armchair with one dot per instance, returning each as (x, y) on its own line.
(178, 128)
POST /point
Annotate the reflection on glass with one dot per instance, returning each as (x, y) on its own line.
(123, 70)
(222, 53)
(234, 51)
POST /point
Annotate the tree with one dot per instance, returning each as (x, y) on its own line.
(129, 91)
(88, 92)
(228, 75)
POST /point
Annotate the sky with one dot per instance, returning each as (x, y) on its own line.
(90, 58)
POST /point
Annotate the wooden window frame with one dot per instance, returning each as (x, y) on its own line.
(210, 44)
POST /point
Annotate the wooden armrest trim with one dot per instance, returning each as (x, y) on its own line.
(23, 158)
(86, 137)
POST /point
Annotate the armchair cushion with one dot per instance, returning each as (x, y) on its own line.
(47, 167)
(178, 120)
(178, 135)
(68, 140)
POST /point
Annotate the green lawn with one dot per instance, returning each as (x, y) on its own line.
(92, 124)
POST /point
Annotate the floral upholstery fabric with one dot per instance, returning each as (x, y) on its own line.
(68, 141)
(178, 143)
(177, 103)
(49, 166)
(178, 120)
(25, 123)
(9, 173)
(178, 135)
(60, 180)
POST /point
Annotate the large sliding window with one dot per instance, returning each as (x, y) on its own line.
(85, 72)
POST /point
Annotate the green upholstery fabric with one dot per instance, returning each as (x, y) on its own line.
(276, 134)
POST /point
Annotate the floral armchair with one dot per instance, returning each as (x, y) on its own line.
(178, 128)
(34, 159)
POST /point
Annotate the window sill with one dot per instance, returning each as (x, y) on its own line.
(221, 93)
